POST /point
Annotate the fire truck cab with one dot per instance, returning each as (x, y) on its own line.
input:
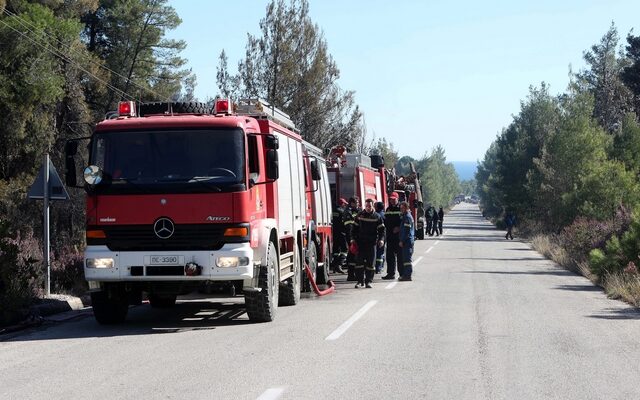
(179, 196)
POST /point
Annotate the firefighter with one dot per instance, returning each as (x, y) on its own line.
(440, 219)
(429, 213)
(349, 217)
(339, 238)
(433, 220)
(406, 241)
(379, 207)
(368, 233)
(392, 225)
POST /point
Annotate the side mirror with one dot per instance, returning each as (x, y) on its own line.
(315, 170)
(70, 151)
(272, 164)
(377, 161)
(271, 142)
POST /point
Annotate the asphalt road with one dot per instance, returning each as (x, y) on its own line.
(484, 318)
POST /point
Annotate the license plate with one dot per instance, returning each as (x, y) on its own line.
(164, 260)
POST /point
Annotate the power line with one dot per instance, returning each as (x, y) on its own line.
(26, 24)
(65, 58)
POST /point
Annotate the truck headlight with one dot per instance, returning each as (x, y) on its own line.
(99, 263)
(231, 262)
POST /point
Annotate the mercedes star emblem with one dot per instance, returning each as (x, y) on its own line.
(164, 228)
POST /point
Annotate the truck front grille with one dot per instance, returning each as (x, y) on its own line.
(185, 237)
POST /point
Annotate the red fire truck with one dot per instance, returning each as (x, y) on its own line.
(356, 175)
(366, 177)
(179, 196)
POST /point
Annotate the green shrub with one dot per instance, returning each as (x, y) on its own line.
(618, 251)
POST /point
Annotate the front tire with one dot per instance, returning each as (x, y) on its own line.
(262, 305)
(109, 307)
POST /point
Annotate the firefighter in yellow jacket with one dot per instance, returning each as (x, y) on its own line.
(368, 232)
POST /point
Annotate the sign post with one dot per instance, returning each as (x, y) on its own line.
(47, 186)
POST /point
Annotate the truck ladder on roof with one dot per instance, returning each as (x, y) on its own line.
(259, 108)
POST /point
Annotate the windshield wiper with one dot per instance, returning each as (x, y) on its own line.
(204, 181)
(131, 183)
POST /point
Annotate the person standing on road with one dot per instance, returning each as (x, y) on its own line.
(406, 241)
(440, 219)
(392, 226)
(349, 218)
(433, 217)
(367, 233)
(339, 238)
(379, 207)
(509, 221)
(429, 216)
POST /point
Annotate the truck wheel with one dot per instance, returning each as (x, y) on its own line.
(312, 261)
(262, 305)
(109, 307)
(290, 289)
(322, 273)
(162, 301)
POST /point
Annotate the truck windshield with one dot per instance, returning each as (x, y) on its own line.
(194, 160)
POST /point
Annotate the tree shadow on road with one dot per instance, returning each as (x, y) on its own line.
(559, 272)
(499, 259)
(620, 314)
(580, 288)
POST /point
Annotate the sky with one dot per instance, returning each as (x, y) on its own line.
(425, 73)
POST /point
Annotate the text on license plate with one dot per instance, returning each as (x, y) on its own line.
(164, 260)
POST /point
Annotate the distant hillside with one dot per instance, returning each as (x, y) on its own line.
(465, 169)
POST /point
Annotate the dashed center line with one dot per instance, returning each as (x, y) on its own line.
(416, 261)
(428, 250)
(436, 242)
(391, 285)
(347, 324)
(271, 394)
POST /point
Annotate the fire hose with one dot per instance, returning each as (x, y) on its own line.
(319, 292)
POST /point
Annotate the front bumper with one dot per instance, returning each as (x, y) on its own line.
(137, 266)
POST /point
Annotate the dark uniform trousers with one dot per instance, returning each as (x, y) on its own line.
(365, 261)
(339, 250)
(407, 252)
(394, 256)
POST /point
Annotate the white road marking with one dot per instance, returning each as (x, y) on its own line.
(416, 261)
(391, 285)
(437, 241)
(271, 394)
(347, 324)
(428, 250)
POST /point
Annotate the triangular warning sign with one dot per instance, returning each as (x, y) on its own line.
(57, 191)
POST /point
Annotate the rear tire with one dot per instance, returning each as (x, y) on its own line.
(109, 307)
(312, 261)
(290, 289)
(322, 273)
(262, 305)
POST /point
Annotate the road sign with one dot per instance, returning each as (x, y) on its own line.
(57, 191)
(47, 186)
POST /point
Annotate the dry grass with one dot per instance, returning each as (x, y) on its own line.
(545, 245)
(623, 286)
